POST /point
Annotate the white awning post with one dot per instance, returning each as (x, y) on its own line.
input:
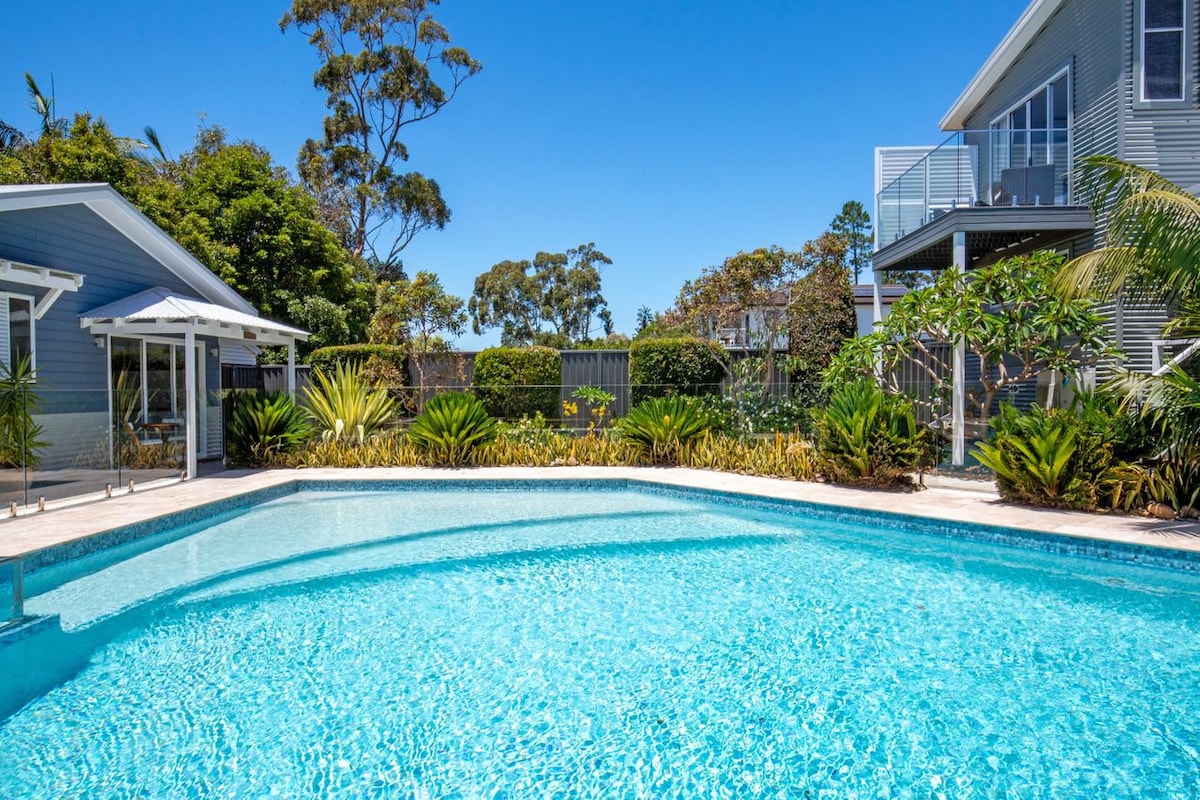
(291, 368)
(877, 317)
(878, 287)
(189, 382)
(958, 456)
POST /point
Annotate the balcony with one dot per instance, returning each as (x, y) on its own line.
(999, 185)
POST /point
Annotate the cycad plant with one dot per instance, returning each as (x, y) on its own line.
(868, 437)
(451, 427)
(264, 426)
(1032, 454)
(344, 403)
(665, 425)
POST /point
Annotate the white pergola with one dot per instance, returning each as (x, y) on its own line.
(164, 312)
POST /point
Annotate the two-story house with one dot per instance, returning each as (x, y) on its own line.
(1072, 78)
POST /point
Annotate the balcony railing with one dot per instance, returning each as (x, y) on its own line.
(998, 167)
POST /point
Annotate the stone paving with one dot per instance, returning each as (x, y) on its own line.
(958, 500)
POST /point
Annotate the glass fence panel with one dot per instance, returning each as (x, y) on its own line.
(999, 167)
(73, 443)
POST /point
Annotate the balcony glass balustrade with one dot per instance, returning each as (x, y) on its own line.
(997, 167)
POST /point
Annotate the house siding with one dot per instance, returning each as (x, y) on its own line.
(1164, 140)
(1097, 38)
(1086, 36)
(72, 372)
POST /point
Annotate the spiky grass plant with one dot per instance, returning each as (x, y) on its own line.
(344, 404)
(779, 456)
(19, 433)
(381, 450)
(450, 428)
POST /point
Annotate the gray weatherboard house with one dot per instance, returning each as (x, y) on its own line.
(1073, 78)
(94, 290)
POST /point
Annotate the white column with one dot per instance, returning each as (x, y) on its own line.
(878, 296)
(958, 455)
(189, 383)
(291, 368)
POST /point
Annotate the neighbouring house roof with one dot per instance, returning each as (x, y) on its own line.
(998, 63)
(107, 203)
(864, 293)
(166, 310)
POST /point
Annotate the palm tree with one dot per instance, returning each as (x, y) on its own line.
(1152, 249)
(11, 138)
(1152, 234)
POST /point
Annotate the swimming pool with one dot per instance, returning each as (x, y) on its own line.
(598, 643)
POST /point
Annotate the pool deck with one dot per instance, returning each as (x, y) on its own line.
(952, 499)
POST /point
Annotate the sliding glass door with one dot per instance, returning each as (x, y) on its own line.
(149, 396)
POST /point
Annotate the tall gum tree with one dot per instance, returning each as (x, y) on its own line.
(381, 63)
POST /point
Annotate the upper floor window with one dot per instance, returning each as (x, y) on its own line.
(1030, 147)
(1163, 50)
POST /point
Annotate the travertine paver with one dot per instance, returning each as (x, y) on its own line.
(960, 501)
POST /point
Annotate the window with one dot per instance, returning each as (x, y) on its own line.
(20, 329)
(16, 328)
(1163, 54)
(1034, 135)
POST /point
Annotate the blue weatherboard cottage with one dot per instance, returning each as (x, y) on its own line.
(121, 324)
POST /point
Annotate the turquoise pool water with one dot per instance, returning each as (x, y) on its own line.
(606, 644)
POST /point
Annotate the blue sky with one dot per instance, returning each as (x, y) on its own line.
(672, 133)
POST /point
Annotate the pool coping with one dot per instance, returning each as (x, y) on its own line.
(948, 509)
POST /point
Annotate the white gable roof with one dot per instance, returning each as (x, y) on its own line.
(163, 306)
(999, 62)
(107, 203)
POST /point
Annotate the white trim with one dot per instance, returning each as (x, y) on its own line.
(998, 63)
(1064, 71)
(137, 329)
(40, 277)
(54, 281)
(189, 399)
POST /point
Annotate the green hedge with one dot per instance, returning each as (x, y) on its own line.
(382, 363)
(516, 382)
(666, 367)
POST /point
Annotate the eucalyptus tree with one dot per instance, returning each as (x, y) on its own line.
(559, 291)
(385, 65)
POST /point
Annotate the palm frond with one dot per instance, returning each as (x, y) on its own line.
(1152, 233)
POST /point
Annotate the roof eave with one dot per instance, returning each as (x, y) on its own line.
(1003, 57)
